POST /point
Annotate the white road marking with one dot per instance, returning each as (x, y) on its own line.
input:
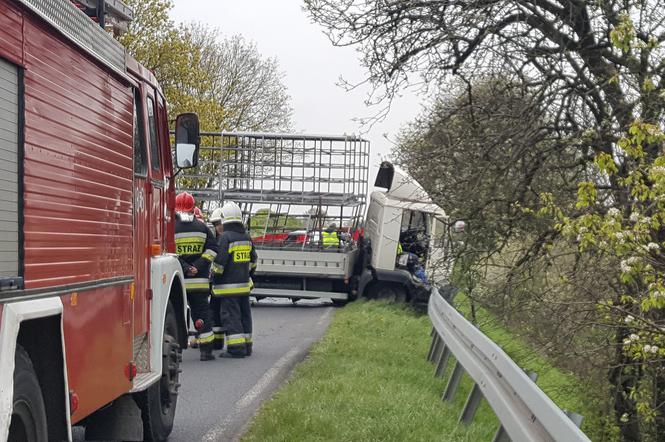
(217, 432)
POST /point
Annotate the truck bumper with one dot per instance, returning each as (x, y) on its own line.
(418, 292)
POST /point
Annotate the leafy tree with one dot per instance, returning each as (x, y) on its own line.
(226, 81)
(597, 70)
(175, 55)
(492, 160)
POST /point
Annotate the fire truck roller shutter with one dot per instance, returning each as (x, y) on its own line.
(9, 177)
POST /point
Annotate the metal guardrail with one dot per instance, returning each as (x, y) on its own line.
(525, 412)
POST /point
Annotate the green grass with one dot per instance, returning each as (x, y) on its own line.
(565, 389)
(369, 380)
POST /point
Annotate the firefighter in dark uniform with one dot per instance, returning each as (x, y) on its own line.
(197, 249)
(217, 329)
(232, 282)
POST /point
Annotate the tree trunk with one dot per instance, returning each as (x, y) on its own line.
(623, 378)
(659, 398)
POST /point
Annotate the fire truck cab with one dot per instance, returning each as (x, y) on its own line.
(92, 301)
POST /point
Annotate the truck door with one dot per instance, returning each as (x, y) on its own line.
(9, 176)
(156, 178)
(439, 264)
(141, 219)
(168, 200)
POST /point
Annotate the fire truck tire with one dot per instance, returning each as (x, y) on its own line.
(158, 402)
(28, 413)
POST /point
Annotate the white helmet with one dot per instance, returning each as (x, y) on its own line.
(216, 215)
(229, 213)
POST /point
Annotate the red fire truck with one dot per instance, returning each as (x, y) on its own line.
(92, 304)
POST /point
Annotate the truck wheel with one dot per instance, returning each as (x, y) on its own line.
(28, 413)
(339, 302)
(383, 291)
(158, 402)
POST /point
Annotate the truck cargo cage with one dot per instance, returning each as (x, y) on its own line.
(291, 187)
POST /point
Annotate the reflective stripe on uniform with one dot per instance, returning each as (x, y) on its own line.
(209, 255)
(248, 338)
(238, 339)
(241, 251)
(206, 337)
(183, 235)
(399, 249)
(189, 245)
(240, 245)
(217, 268)
(232, 289)
(219, 333)
(197, 283)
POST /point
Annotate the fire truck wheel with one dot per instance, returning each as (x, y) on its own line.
(28, 413)
(158, 402)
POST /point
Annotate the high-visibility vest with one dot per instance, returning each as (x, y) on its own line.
(330, 239)
(236, 259)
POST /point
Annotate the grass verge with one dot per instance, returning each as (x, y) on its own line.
(368, 380)
(567, 390)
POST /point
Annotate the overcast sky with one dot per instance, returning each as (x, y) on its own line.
(312, 66)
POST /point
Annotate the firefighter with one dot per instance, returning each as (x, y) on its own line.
(232, 282)
(197, 249)
(330, 237)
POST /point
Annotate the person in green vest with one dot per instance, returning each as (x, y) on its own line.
(330, 237)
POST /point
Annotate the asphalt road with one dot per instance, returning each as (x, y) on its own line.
(218, 398)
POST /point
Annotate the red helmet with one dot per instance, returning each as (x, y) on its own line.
(197, 213)
(184, 202)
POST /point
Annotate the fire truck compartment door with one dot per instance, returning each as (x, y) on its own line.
(9, 177)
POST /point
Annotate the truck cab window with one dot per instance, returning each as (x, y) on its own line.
(414, 232)
(154, 141)
(140, 158)
(165, 143)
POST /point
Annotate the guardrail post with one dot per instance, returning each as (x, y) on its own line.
(576, 418)
(453, 382)
(438, 349)
(448, 292)
(501, 435)
(442, 362)
(432, 347)
(472, 403)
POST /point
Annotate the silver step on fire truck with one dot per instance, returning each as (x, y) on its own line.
(304, 197)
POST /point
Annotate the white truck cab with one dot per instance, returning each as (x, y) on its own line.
(404, 230)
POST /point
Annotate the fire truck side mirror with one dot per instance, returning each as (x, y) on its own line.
(187, 140)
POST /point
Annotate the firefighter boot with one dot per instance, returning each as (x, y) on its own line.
(206, 352)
